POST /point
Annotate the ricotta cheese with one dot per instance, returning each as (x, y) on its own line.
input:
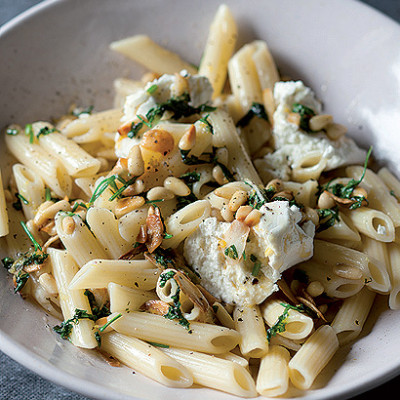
(141, 102)
(291, 143)
(277, 242)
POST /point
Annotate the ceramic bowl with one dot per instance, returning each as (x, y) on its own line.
(57, 53)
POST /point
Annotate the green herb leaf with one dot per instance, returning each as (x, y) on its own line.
(327, 217)
(256, 110)
(231, 252)
(152, 89)
(12, 131)
(306, 113)
(29, 132)
(20, 281)
(32, 239)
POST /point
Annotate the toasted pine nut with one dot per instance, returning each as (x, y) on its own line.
(347, 271)
(335, 131)
(180, 86)
(188, 140)
(219, 176)
(263, 151)
(48, 210)
(325, 201)
(158, 140)
(226, 214)
(243, 212)
(315, 288)
(159, 193)
(128, 204)
(294, 118)
(359, 191)
(237, 200)
(285, 194)
(68, 225)
(253, 218)
(177, 186)
(319, 122)
(49, 283)
(311, 215)
(276, 184)
(135, 162)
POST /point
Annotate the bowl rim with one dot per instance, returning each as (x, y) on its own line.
(32, 361)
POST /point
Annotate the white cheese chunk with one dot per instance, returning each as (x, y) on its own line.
(277, 242)
(291, 143)
(141, 102)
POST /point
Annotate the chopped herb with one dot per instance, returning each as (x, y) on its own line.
(256, 110)
(164, 346)
(152, 89)
(65, 328)
(78, 111)
(168, 235)
(231, 252)
(98, 312)
(98, 338)
(22, 198)
(12, 131)
(46, 131)
(77, 205)
(7, 262)
(346, 191)
(306, 113)
(392, 193)
(33, 240)
(164, 257)
(165, 277)
(135, 129)
(20, 281)
(183, 201)
(205, 121)
(256, 266)
(29, 132)
(190, 177)
(108, 323)
(328, 216)
(102, 186)
(122, 188)
(301, 276)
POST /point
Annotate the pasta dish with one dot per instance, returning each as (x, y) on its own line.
(214, 227)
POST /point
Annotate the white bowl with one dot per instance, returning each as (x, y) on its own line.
(57, 53)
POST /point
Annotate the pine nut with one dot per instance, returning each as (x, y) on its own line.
(159, 193)
(177, 186)
(323, 308)
(128, 204)
(48, 210)
(158, 140)
(325, 201)
(359, 191)
(347, 271)
(243, 212)
(219, 175)
(68, 225)
(253, 218)
(319, 122)
(335, 131)
(227, 214)
(294, 118)
(237, 200)
(311, 215)
(315, 289)
(135, 162)
(188, 140)
(262, 152)
(276, 184)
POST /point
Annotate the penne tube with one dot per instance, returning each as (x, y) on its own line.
(199, 336)
(76, 161)
(341, 230)
(312, 357)
(372, 223)
(223, 316)
(146, 359)
(394, 260)
(379, 264)
(305, 193)
(40, 162)
(296, 325)
(352, 315)
(219, 49)
(4, 225)
(145, 51)
(215, 373)
(104, 226)
(97, 274)
(77, 238)
(64, 268)
(123, 298)
(250, 324)
(225, 135)
(30, 186)
(273, 374)
(379, 196)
